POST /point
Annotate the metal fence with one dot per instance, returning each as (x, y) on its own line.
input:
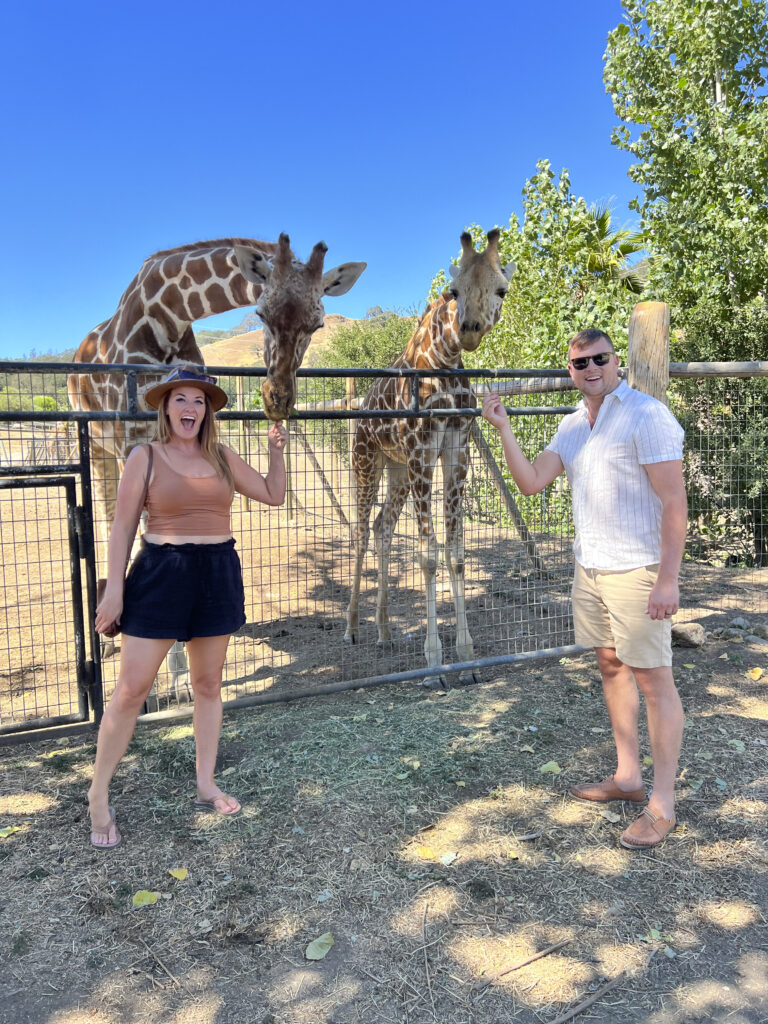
(298, 559)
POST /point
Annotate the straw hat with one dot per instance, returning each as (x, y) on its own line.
(177, 378)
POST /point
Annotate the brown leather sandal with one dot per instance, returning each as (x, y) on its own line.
(606, 791)
(648, 830)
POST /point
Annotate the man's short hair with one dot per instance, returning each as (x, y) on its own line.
(586, 338)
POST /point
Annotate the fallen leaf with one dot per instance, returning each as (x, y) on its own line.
(448, 858)
(695, 784)
(425, 853)
(462, 784)
(403, 775)
(180, 873)
(145, 898)
(228, 771)
(689, 666)
(723, 657)
(704, 755)
(737, 745)
(755, 673)
(8, 831)
(320, 947)
(721, 784)
(526, 748)
(668, 951)
(647, 761)
(610, 815)
(551, 768)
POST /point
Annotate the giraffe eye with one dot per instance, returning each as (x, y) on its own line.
(502, 293)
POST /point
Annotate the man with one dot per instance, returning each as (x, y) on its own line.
(622, 453)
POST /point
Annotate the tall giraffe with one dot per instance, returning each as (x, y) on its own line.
(153, 324)
(409, 448)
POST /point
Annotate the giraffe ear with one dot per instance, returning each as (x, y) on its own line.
(509, 270)
(454, 271)
(253, 264)
(339, 280)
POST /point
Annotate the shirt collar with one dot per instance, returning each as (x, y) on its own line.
(619, 393)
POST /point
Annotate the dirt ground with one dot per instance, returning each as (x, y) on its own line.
(432, 837)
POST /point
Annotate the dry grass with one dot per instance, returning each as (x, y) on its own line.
(419, 831)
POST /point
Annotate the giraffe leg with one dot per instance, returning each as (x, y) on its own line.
(455, 461)
(420, 473)
(366, 475)
(383, 529)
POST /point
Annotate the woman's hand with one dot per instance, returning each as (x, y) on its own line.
(278, 436)
(109, 609)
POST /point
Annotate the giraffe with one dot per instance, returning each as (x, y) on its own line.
(153, 325)
(410, 448)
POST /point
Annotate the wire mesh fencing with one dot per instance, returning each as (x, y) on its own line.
(298, 560)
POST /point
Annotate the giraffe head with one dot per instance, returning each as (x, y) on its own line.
(291, 309)
(479, 285)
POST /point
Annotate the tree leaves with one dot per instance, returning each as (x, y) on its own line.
(145, 898)
(690, 92)
(319, 947)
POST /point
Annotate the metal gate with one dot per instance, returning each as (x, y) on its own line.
(49, 653)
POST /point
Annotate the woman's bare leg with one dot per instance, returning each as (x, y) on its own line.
(140, 660)
(206, 663)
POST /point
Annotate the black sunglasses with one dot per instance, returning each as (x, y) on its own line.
(582, 362)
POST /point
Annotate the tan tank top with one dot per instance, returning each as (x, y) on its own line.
(187, 506)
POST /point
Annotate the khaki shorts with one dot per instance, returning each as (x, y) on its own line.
(609, 610)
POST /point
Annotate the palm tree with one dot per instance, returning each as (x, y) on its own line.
(610, 251)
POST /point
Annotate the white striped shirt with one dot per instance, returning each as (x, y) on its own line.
(616, 512)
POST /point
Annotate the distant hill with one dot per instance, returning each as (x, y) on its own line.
(248, 349)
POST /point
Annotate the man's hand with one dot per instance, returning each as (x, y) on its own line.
(494, 411)
(663, 601)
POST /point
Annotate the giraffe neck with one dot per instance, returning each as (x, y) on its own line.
(174, 288)
(435, 344)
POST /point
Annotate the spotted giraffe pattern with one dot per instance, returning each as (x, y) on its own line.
(409, 449)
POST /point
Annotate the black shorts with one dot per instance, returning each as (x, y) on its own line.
(184, 591)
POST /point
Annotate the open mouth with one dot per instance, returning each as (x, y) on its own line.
(188, 422)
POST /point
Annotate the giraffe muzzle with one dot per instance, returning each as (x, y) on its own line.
(278, 399)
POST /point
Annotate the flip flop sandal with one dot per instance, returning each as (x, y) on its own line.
(105, 832)
(209, 807)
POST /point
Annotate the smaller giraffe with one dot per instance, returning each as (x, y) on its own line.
(410, 448)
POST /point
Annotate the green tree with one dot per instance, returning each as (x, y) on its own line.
(687, 79)
(374, 342)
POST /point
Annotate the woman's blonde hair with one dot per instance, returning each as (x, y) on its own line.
(208, 435)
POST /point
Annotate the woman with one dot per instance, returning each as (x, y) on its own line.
(185, 584)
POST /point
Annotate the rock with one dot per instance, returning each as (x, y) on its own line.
(739, 623)
(751, 638)
(688, 634)
(761, 631)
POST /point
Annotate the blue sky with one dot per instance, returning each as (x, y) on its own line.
(382, 129)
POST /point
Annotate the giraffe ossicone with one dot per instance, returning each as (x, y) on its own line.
(409, 448)
(153, 325)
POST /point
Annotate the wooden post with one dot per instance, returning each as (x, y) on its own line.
(648, 356)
